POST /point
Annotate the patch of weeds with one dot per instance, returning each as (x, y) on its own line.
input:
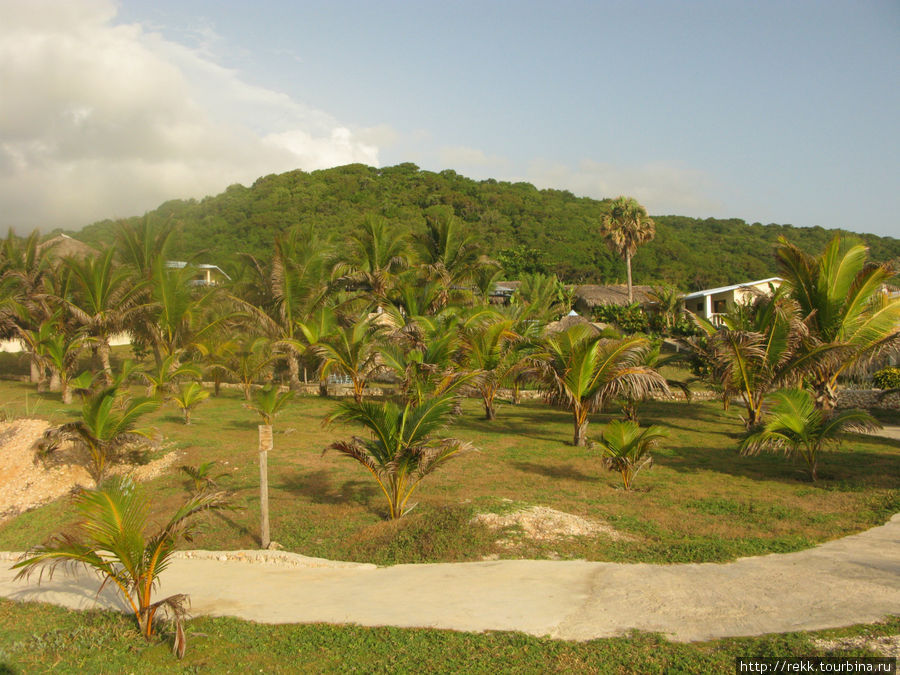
(435, 534)
(747, 511)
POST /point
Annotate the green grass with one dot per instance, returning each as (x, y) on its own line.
(39, 638)
(700, 502)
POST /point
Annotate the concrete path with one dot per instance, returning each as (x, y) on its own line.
(847, 581)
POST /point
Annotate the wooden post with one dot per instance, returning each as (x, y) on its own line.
(265, 444)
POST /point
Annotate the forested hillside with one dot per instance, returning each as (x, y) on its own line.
(516, 223)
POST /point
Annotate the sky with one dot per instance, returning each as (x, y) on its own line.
(770, 111)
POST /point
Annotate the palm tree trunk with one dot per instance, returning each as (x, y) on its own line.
(66, 391)
(103, 353)
(265, 444)
(628, 270)
(581, 424)
(54, 380)
(294, 370)
(37, 373)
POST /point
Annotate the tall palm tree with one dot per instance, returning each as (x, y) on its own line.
(844, 304)
(627, 226)
(373, 255)
(799, 429)
(402, 450)
(582, 372)
(114, 540)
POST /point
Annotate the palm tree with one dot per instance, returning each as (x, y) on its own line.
(756, 350)
(626, 227)
(843, 302)
(373, 255)
(402, 450)
(626, 447)
(107, 425)
(799, 428)
(287, 292)
(582, 372)
(490, 354)
(189, 397)
(162, 380)
(351, 351)
(267, 403)
(114, 540)
(104, 299)
(252, 358)
(60, 352)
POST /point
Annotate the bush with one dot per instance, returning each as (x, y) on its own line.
(629, 318)
(887, 378)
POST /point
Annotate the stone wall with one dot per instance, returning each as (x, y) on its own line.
(868, 398)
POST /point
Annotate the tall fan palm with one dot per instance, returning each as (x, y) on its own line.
(799, 429)
(114, 540)
(402, 450)
(107, 425)
(843, 302)
(626, 227)
(104, 299)
(582, 372)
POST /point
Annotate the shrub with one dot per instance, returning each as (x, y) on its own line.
(887, 378)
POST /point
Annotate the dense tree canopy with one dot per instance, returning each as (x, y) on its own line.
(555, 228)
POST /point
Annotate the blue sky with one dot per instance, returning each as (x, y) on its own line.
(768, 111)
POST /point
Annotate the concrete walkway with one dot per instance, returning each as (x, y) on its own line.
(847, 581)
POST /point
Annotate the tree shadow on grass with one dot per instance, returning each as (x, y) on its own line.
(842, 469)
(317, 486)
(556, 472)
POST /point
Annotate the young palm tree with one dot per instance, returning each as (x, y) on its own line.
(843, 302)
(60, 353)
(626, 227)
(626, 448)
(756, 350)
(189, 396)
(162, 380)
(402, 450)
(799, 429)
(490, 354)
(114, 540)
(107, 424)
(583, 372)
(351, 351)
(268, 402)
(104, 299)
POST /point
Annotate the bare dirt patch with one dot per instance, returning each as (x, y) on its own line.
(25, 484)
(887, 645)
(541, 523)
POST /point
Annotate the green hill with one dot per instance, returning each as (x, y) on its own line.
(506, 217)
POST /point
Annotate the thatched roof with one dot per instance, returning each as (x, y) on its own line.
(592, 295)
(63, 246)
(567, 322)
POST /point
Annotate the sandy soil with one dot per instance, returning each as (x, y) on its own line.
(25, 484)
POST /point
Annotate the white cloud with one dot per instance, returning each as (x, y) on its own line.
(101, 120)
(661, 187)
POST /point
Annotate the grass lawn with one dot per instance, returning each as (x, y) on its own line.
(40, 638)
(700, 501)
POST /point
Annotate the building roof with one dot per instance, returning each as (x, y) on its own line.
(63, 246)
(593, 295)
(181, 264)
(725, 289)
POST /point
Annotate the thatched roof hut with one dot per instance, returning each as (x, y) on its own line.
(589, 296)
(63, 246)
(567, 322)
